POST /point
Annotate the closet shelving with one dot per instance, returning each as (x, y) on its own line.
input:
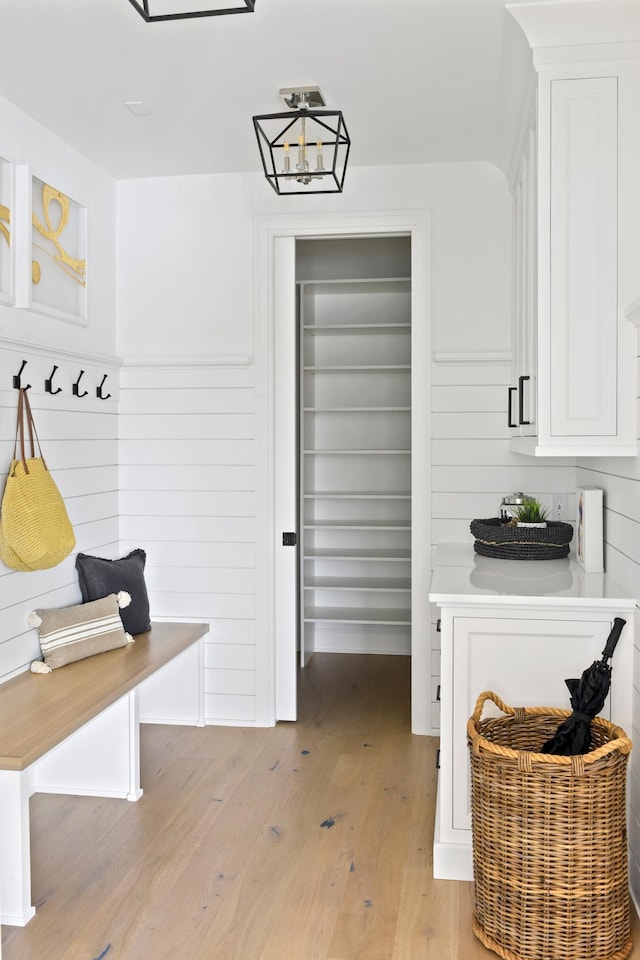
(355, 443)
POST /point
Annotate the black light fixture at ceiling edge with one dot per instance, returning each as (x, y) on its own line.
(143, 10)
(298, 100)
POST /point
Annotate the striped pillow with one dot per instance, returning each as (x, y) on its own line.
(73, 633)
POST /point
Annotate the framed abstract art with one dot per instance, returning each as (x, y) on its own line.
(58, 281)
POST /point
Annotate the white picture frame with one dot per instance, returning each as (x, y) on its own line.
(51, 249)
(7, 242)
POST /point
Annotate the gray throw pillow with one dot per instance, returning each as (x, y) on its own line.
(99, 577)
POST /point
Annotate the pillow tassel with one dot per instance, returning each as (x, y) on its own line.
(37, 666)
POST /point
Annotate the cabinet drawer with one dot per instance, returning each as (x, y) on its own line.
(435, 716)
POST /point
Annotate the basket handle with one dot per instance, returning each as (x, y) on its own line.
(495, 699)
(620, 742)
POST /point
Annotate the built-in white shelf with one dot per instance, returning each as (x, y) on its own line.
(358, 524)
(352, 453)
(355, 462)
(357, 615)
(357, 409)
(375, 556)
(357, 368)
(401, 585)
(348, 328)
(356, 495)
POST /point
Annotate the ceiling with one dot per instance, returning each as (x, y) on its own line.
(417, 80)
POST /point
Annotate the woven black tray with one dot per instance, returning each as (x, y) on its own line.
(496, 538)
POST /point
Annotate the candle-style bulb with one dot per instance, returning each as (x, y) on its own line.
(302, 166)
(319, 163)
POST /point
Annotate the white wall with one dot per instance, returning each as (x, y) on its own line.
(188, 413)
(185, 254)
(23, 141)
(187, 488)
(473, 467)
(79, 435)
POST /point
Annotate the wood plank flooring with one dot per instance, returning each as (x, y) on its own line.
(308, 841)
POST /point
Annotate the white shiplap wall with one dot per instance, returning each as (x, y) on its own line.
(79, 442)
(472, 466)
(620, 480)
(187, 497)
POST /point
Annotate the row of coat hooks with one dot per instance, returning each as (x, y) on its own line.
(48, 384)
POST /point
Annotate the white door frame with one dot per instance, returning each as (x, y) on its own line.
(416, 224)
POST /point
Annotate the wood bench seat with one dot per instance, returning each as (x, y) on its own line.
(76, 731)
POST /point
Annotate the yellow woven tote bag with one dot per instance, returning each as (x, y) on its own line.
(35, 530)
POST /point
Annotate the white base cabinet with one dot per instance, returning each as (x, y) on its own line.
(521, 648)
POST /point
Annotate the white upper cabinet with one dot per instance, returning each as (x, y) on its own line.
(573, 378)
(522, 413)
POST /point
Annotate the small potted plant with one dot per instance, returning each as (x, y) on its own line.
(531, 514)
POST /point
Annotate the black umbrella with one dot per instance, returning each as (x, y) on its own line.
(588, 695)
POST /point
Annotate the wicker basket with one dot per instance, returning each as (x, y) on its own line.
(496, 538)
(549, 838)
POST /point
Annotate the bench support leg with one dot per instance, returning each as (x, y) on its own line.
(15, 867)
(135, 790)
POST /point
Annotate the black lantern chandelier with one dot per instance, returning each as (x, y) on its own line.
(154, 10)
(305, 151)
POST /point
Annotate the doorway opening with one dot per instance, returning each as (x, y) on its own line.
(354, 445)
(278, 505)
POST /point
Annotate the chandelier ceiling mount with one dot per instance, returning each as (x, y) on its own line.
(305, 149)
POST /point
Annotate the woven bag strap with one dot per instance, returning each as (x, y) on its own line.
(18, 425)
(25, 414)
(20, 434)
(32, 429)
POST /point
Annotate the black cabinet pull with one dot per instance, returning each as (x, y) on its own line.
(510, 422)
(438, 692)
(438, 759)
(438, 625)
(521, 381)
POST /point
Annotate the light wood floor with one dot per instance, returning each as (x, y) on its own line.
(308, 841)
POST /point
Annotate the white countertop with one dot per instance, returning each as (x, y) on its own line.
(462, 576)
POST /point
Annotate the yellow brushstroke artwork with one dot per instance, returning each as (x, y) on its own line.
(5, 220)
(73, 267)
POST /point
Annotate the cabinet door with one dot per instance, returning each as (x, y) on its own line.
(525, 662)
(583, 316)
(522, 393)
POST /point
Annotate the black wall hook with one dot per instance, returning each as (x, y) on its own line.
(48, 384)
(99, 393)
(16, 379)
(76, 387)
